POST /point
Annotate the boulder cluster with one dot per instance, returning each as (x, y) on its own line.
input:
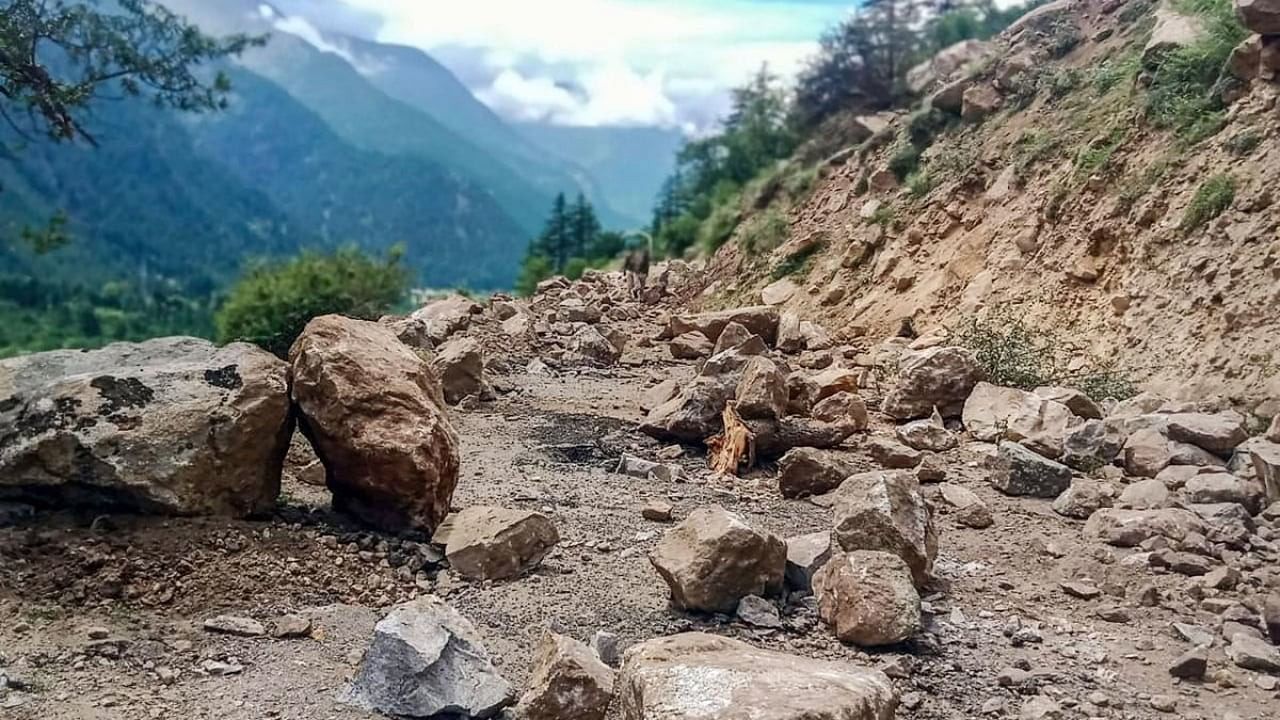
(1258, 57)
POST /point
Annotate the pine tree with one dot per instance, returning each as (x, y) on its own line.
(555, 242)
(584, 228)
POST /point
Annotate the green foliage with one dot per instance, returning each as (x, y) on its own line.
(46, 239)
(764, 231)
(1211, 200)
(716, 230)
(1244, 142)
(1119, 71)
(1137, 186)
(920, 183)
(533, 270)
(1032, 147)
(273, 301)
(134, 48)
(799, 181)
(1096, 156)
(905, 159)
(796, 263)
(884, 216)
(571, 242)
(1185, 90)
(1016, 354)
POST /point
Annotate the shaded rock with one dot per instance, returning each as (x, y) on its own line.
(459, 365)
(372, 410)
(1228, 523)
(802, 393)
(735, 335)
(714, 678)
(891, 454)
(1129, 528)
(577, 310)
(1223, 487)
(289, 627)
(931, 435)
(1181, 453)
(232, 625)
(1191, 665)
(1076, 401)
(713, 559)
(173, 425)
(868, 598)
(762, 321)
(762, 392)
(659, 394)
(940, 377)
(979, 101)
(1219, 433)
(590, 346)
(695, 414)
(806, 554)
(657, 511)
(428, 660)
(1260, 16)
(568, 681)
(884, 511)
(971, 511)
(1021, 472)
(1148, 494)
(735, 358)
(843, 408)
(492, 543)
(1265, 459)
(758, 612)
(1083, 498)
(1271, 616)
(446, 316)
(805, 471)
(690, 346)
(1146, 453)
(1253, 653)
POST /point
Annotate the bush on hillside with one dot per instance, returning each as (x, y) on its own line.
(1185, 92)
(1211, 200)
(273, 301)
(1016, 354)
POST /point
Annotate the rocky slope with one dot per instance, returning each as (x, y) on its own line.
(1048, 191)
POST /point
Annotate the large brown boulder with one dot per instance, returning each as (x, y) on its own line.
(762, 392)
(993, 413)
(808, 471)
(568, 681)
(447, 316)
(868, 598)
(1260, 16)
(1218, 433)
(493, 543)
(714, 559)
(1265, 458)
(173, 425)
(707, 677)
(695, 414)
(373, 412)
(940, 377)
(885, 511)
(459, 364)
(762, 321)
(1128, 528)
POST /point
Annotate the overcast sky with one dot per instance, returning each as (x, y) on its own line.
(594, 62)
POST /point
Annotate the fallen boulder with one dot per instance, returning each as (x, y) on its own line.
(940, 377)
(714, 559)
(1021, 472)
(807, 471)
(806, 554)
(707, 677)
(173, 425)
(1129, 528)
(885, 511)
(762, 392)
(1219, 433)
(372, 410)
(695, 414)
(1260, 16)
(1265, 459)
(447, 316)
(427, 660)
(868, 598)
(492, 543)
(568, 681)
(459, 365)
(690, 346)
(762, 321)
(842, 408)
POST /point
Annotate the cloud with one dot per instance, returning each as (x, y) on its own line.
(607, 62)
(300, 27)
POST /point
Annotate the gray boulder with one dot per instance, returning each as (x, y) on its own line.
(1021, 472)
(427, 660)
(940, 377)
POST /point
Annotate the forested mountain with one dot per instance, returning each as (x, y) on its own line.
(628, 164)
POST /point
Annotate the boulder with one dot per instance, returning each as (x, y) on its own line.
(775, 438)
(790, 337)
(427, 660)
(993, 413)
(940, 377)
(762, 392)
(1091, 445)
(588, 345)
(807, 471)
(950, 96)
(1146, 453)
(714, 559)
(931, 435)
(659, 394)
(833, 381)
(979, 101)
(690, 346)
(492, 543)
(1219, 433)
(734, 359)
(1260, 16)
(868, 598)
(946, 62)
(1129, 528)
(695, 414)
(1273, 432)
(779, 291)
(173, 426)
(577, 310)
(806, 555)
(459, 365)
(971, 511)
(1020, 472)
(1083, 498)
(802, 393)
(1265, 459)
(372, 410)
(762, 321)
(885, 511)
(1223, 487)
(447, 316)
(892, 455)
(1150, 494)
(843, 408)
(1076, 401)
(1254, 653)
(412, 331)
(568, 681)
(1173, 30)
(707, 677)
(734, 335)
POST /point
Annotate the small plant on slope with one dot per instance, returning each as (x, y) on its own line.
(1211, 200)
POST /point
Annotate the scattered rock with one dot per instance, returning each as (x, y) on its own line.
(690, 346)
(868, 598)
(1021, 472)
(425, 660)
(1129, 528)
(762, 392)
(232, 625)
(1260, 16)
(1253, 653)
(931, 435)
(1191, 665)
(762, 321)
(657, 511)
(459, 365)
(1146, 453)
(940, 377)
(1219, 433)
(844, 409)
(758, 612)
(491, 543)
(806, 471)
(1083, 498)
(713, 559)
(891, 454)
(806, 554)
(714, 678)
(884, 511)
(372, 410)
(568, 681)
(289, 627)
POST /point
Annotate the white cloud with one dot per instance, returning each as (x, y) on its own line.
(300, 27)
(610, 62)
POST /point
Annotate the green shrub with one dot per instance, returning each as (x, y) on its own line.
(905, 160)
(1185, 92)
(1032, 147)
(799, 181)
(797, 263)
(1117, 72)
(716, 230)
(884, 215)
(1211, 200)
(1016, 354)
(1136, 187)
(764, 231)
(273, 301)
(1245, 142)
(919, 183)
(1096, 156)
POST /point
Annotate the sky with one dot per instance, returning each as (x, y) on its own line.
(669, 63)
